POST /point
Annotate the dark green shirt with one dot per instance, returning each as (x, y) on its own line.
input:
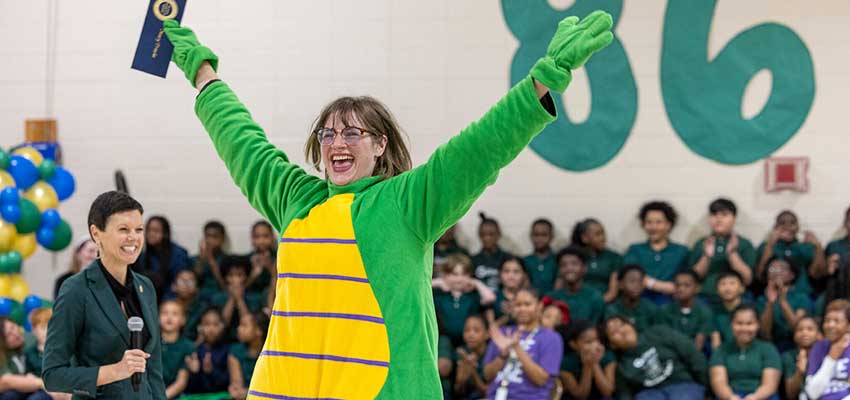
(838, 246)
(661, 357)
(254, 301)
(720, 262)
(642, 316)
(782, 333)
(206, 281)
(499, 305)
(16, 360)
(193, 317)
(586, 303)
(599, 269)
(241, 353)
(486, 267)
(690, 321)
(444, 350)
(572, 363)
(453, 312)
(789, 363)
(744, 366)
(804, 253)
(33, 356)
(661, 265)
(542, 272)
(173, 356)
(723, 321)
(261, 284)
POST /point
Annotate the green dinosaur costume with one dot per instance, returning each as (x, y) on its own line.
(354, 313)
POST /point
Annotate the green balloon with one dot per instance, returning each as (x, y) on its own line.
(46, 168)
(18, 314)
(46, 303)
(4, 263)
(30, 218)
(4, 159)
(15, 260)
(62, 236)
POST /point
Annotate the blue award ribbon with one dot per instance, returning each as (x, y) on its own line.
(153, 52)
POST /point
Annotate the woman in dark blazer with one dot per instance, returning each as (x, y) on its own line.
(87, 351)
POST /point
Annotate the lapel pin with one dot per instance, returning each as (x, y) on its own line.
(141, 289)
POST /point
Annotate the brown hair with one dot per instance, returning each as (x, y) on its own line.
(40, 317)
(841, 305)
(453, 260)
(377, 119)
(176, 303)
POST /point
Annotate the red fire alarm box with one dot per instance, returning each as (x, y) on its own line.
(786, 173)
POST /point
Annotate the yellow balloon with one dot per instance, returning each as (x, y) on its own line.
(6, 179)
(42, 195)
(30, 154)
(18, 288)
(5, 285)
(25, 244)
(8, 232)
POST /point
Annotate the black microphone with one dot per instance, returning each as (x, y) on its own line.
(135, 324)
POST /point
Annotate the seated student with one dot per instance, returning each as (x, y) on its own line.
(208, 364)
(602, 262)
(185, 288)
(584, 302)
(588, 369)
(207, 263)
(542, 268)
(630, 303)
(175, 348)
(657, 363)
(469, 380)
(486, 263)
(445, 364)
(840, 246)
(795, 360)
(722, 250)
(745, 367)
(556, 313)
(458, 295)
(161, 258)
(782, 243)
(263, 257)
(513, 276)
(781, 306)
(243, 355)
(523, 361)
(15, 381)
(685, 314)
(827, 373)
(730, 291)
(659, 257)
(236, 301)
(447, 244)
(34, 352)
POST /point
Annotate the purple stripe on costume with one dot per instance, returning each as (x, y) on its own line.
(322, 276)
(282, 397)
(329, 315)
(318, 240)
(269, 353)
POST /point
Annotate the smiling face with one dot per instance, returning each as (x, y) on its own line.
(722, 222)
(656, 225)
(571, 268)
(349, 160)
(526, 308)
(787, 225)
(806, 333)
(121, 241)
(745, 326)
(512, 275)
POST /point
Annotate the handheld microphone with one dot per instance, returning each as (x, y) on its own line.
(135, 324)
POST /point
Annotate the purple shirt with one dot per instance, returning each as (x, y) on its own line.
(839, 387)
(545, 347)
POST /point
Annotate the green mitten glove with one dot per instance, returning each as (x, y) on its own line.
(188, 52)
(572, 46)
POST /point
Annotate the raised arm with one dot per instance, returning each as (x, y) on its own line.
(435, 195)
(272, 184)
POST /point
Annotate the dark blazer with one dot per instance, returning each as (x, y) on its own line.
(89, 330)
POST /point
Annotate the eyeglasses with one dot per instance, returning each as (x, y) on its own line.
(351, 135)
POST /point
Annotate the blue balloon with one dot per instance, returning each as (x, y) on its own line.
(5, 306)
(45, 236)
(50, 218)
(9, 195)
(31, 303)
(63, 182)
(24, 171)
(11, 212)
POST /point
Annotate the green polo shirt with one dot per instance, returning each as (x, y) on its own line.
(499, 304)
(838, 246)
(453, 311)
(586, 303)
(599, 269)
(804, 253)
(783, 333)
(789, 363)
(690, 321)
(720, 261)
(444, 350)
(572, 363)
(542, 272)
(744, 366)
(662, 357)
(661, 265)
(173, 355)
(243, 354)
(723, 321)
(643, 315)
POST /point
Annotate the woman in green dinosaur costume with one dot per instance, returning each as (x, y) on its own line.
(353, 316)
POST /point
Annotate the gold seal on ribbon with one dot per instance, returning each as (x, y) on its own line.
(165, 9)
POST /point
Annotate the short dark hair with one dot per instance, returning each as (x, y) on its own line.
(689, 272)
(217, 225)
(576, 328)
(532, 291)
(629, 268)
(108, 204)
(486, 220)
(730, 274)
(543, 221)
(516, 259)
(261, 223)
(742, 308)
(235, 263)
(573, 250)
(722, 204)
(662, 206)
(793, 265)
